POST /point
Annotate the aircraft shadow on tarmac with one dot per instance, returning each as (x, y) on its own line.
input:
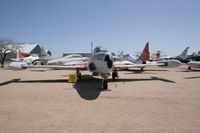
(186, 70)
(197, 77)
(142, 79)
(9, 82)
(89, 88)
(18, 80)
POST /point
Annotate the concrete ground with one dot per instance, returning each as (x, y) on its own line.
(157, 100)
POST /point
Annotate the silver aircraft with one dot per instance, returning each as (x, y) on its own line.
(101, 62)
(193, 65)
(129, 59)
(71, 59)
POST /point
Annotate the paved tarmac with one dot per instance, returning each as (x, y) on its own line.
(157, 100)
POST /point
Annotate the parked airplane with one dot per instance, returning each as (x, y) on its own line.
(19, 57)
(101, 62)
(33, 59)
(194, 57)
(183, 57)
(194, 64)
(44, 57)
(158, 56)
(72, 59)
(130, 60)
(29, 60)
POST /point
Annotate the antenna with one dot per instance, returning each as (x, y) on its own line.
(91, 47)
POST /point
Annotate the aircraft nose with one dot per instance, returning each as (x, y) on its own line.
(109, 61)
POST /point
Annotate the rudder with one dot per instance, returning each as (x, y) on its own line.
(145, 53)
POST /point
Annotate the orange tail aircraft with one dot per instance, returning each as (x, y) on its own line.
(20, 56)
(145, 53)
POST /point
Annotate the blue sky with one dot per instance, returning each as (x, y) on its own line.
(71, 25)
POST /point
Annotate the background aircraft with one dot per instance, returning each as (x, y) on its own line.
(194, 57)
(130, 59)
(29, 60)
(183, 57)
(19, 56)
(72, 59)
(158, 56)
(33, 59)
(100, 62)
(194, 64)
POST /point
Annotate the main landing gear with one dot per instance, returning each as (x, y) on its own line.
(142, 68)
(105, 82)
(114, 74)
(78, 74)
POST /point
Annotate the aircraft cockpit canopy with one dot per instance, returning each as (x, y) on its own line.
(100, 49)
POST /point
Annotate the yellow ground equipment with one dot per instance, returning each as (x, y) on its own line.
(72, 78)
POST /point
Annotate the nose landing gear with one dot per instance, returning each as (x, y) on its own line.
(104, 84)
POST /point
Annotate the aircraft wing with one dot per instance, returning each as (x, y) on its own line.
(22, 65)
(118, 66)
(164, 63)
(60, 67)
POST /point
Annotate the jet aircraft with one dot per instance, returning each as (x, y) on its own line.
(193, 64)
(71, 59)
(32, 59)
(129, 59)
(101, 62)
(183, 57)
(19, 57)
(194, 57)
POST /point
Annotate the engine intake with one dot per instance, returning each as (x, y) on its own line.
(92, 67)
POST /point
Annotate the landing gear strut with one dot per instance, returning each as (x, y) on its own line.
(114, 74)
(104, 84)
(142, 68)
(78, 74)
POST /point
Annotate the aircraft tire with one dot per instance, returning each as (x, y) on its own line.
(37, 62)
(114, 75)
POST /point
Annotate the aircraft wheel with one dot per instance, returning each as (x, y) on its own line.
(142, 69)
(105, 85)
(36, 62)
(95, 74)
(114, 75)
(189, 68)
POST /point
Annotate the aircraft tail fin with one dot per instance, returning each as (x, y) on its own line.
(20, 55)
(120, 54)
(145, 53)
(184, 53)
